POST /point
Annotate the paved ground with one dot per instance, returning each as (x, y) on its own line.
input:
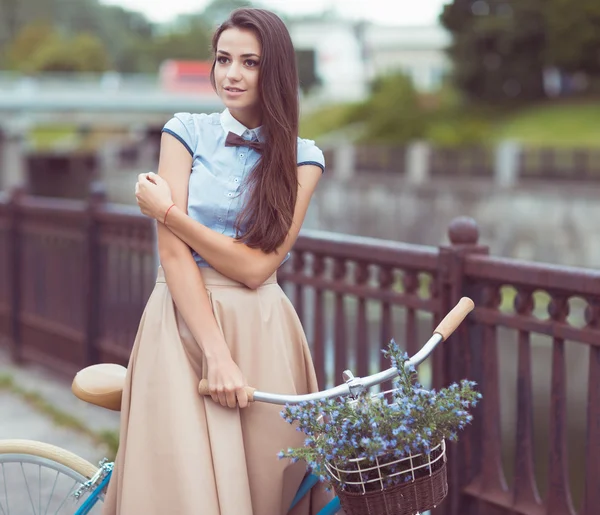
(20, 420)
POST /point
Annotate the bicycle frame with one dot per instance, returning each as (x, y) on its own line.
(309, 481)
(91, 501)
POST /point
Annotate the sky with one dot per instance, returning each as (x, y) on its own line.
(386, 12)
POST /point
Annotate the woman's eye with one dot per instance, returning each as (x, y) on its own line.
(222, 59)
(251, 63)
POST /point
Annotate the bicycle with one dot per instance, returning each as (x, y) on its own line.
(102, 385)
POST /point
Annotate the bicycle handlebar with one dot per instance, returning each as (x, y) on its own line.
(355, 385)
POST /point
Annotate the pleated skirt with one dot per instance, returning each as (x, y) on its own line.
(183, 454)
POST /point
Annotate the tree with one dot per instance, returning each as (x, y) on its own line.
(75, 16)
(191, 40)
(393, 112)
(573, 37)
(27, 42)
(119, 30)
(498, 49)
(41, 48)
(55, 55)
(128, 38)
(217, 11)
(131, 43)
(90, 54)
(9, 19)
(501, 48)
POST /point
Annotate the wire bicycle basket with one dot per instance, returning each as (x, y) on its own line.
(383, 485)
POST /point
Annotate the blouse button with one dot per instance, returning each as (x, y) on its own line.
(229, 194)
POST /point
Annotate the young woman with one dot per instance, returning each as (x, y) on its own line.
(230, 195)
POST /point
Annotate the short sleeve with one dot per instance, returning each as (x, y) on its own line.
(310, 154)
(181, 127)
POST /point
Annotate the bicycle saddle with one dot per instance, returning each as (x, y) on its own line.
(101, 385)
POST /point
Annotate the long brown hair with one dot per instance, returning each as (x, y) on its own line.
(273, 184)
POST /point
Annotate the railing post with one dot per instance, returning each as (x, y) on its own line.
(461, 351)
(418, 157)
(12, 156)
(506, 164)
(91, 290)
(344, 161)
(15, 267)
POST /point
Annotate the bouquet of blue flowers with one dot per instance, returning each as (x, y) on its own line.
(377, 442)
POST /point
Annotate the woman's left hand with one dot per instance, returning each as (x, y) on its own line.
(153, 195)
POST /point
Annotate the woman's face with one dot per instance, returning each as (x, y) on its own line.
(237, 68)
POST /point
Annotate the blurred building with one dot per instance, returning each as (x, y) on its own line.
(348, 55)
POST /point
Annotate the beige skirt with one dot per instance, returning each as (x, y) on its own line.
(181, 454)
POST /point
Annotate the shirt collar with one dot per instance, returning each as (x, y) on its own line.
(230, 124)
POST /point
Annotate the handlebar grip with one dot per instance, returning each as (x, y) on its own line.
(203, 390)
(453, 319)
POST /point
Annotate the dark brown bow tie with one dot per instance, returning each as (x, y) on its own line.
(233, 140)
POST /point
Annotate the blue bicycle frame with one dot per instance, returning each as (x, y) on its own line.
(91, 501)
(309, 481)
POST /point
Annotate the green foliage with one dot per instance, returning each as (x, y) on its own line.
(129, 41)
(56, 55)
(452, 123)
(41, 48)
(458, 130)
(27, 42)
(191, 40)
(567, 124)
(218, 10)
(362, 434)
(573, 124)
(397, 114)
(392, 113)
(497, 49)
(43, 137)
(326, 120)
(500, 48)
(90, 53)
(572, 35)
(15, 14)
(128, 38)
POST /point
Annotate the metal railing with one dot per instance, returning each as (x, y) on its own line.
(75, 275)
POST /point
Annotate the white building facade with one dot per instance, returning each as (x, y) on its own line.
(349, 55)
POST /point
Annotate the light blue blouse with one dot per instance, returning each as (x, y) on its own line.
(216, 193)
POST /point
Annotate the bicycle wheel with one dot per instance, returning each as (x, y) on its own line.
(40, 479)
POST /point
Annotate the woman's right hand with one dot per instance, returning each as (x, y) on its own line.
(226, 383)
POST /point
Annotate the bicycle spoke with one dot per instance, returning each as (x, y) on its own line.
(28, 490)
(51, 493)
(7, 512)
(40, 489)
(56, 482)
(71, 491)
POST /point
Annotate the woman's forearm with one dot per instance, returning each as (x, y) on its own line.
(250, 266)
(189, 295)
(231, 258)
